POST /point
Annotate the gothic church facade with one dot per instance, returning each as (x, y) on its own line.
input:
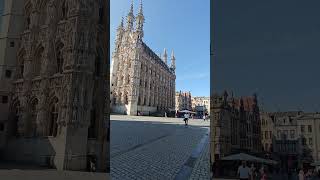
(55, 114)
(141, 81)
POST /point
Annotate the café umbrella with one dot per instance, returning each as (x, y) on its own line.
(187, 111)
(247, 157)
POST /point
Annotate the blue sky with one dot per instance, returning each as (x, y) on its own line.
(179, 25)
(269, 47)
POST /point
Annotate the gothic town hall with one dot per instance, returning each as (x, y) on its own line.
(141, 81)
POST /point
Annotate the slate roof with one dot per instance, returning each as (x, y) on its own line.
(156, 57)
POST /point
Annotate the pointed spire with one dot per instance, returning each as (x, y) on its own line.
(120, 31)
(172, 55)
(173, 61)
(121, 24)
(165, 56)
(131, 8)
(140, 21)
(141, 8)
(130, 18)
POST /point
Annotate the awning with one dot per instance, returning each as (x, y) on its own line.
(317, 163)
(187, 111)
(247, 157)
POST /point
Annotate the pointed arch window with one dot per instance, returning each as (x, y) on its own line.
(37, 61)
(129, 65)
(114, 100)
(59, 57)
(126, 98)
(98, 62)
(20, 68)
(115, 81)
(92, 128)
(128, 80)
(17, 117)
(101, 11)
(139, 100)
(43, 14)
(64, 10)
(28, 22)
(54, 112)
(120, 80)
(34, 114)
(119, 99)
(27, 15)
(97, 65)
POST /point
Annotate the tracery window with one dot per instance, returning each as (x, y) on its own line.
(114, 100)
(59, 58)
(120, 98)
(64, 10)
(139, 100)
(128, 80)
(101, 11)
(43, 14)
(97, 66)
(17, 117)
(92, 127)
(54, 112)
(20, 67)
(126, 98)
(98, 61)
(27, 15)
(37, 61)
(34, 114)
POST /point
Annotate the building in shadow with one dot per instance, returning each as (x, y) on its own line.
(291, 137)
(54, 83)
(235, 125)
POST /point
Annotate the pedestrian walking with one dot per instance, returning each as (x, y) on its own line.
(252, 172)
(310, 175)
(261, 170)
(92, 164)
(204, 117)
(186, 118)
(301, 175)
(264, 175)
(243, 171)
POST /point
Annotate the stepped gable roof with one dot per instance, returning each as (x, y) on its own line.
(248, 103)
(155, 56)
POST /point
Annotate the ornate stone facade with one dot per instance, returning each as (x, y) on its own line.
(140, 80)
(183, 101)
(292, 137)
(201, 104)
(235, 125)
(57, 114)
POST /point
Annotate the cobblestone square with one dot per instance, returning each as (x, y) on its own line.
(159, 148)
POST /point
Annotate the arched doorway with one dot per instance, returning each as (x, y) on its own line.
(16, 118)
(33, 116)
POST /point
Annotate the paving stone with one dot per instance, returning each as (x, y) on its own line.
(155, 147)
